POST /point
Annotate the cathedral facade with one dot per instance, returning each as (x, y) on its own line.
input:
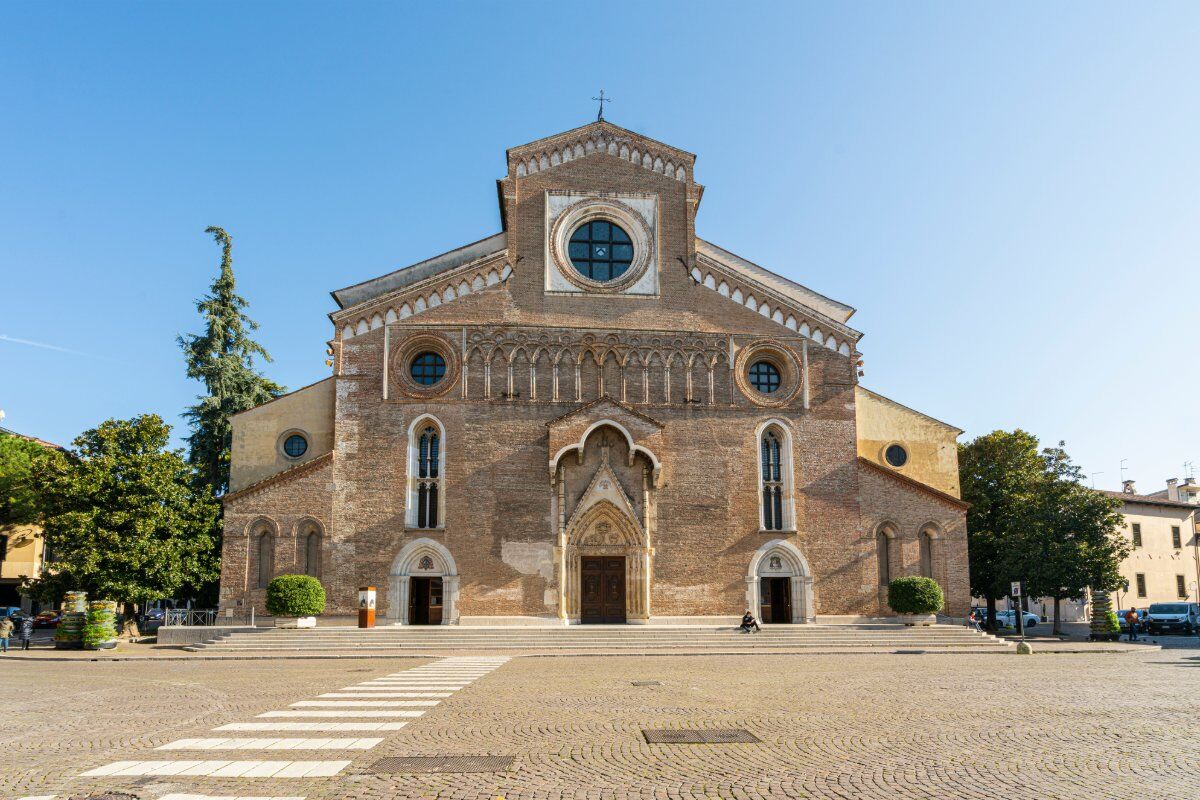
(593, 416)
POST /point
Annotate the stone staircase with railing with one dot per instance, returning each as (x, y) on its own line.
(602, 640)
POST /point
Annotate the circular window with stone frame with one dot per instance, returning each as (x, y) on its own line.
(767, 373)
(895, 455)
(293, 444)
(424, 366)
(601, 245)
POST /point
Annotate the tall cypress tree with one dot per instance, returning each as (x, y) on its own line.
(223, 359)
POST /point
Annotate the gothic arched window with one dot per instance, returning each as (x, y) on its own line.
(312, 554)
(926, 554)
(266, 557)
(773, 474)
(425, 475)
(883, 551)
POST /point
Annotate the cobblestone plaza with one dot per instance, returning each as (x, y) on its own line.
(896, 726)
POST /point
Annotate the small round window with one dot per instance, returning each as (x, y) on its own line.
(764, 377)
(600, 250)
(427, 368)
(896, 455)
(295, 445)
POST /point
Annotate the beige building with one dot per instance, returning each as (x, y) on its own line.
(1163, 530)
(22, 550)
(593, 415)
(1161, 527)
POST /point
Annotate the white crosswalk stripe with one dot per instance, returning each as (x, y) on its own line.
(325, 727)
(180, 796)
(368, 695)
(363, 703)
(222, 769)
(361, 708)
(347, 713)
(342, 743)
(443, 690)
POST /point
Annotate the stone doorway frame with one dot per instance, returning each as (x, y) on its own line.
(604, 530)
(422, 558)
(780, 558)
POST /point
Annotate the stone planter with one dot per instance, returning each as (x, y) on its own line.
(295, 622)
(912, 620)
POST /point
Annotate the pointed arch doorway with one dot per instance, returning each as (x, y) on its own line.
(423, 585)
(779, 584)
(606, 568)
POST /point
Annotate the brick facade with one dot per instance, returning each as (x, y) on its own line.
(593, 422)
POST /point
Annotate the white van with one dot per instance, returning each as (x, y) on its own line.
(1172, 618)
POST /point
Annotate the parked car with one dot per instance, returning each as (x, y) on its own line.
(47, 619)
(1008, 619)
(1172, 618)
(9, 611)
(153, 618)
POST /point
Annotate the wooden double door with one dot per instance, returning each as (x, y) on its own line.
(425, 601)
(602, 593)
(776, 600)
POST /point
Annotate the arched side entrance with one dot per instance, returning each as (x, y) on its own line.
(605, 568)
(779, 584)
(423, 585)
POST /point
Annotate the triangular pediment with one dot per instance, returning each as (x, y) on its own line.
(603, 406)
(605, 490)
(601, 138)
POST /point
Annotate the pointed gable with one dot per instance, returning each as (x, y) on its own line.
(602, 138)
(604, 488)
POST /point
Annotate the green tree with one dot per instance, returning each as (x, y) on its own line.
(1076, 545)
(222, 358)
(125, 518)
(1000, 474)
(20, 501)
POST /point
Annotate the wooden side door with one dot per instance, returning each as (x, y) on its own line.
(614, 590)
(781, 600)
(591, 589)
(435, 601)
(418, 601)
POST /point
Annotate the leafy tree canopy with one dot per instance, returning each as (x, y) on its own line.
(1033, 520)
(1075, 543)
(20, 501)
(222, 358)
(124, 518)
(1000, 475)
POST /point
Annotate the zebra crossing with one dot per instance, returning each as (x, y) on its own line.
(376, 705)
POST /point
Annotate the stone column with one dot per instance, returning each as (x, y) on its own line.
(753, 596)
(450, 598)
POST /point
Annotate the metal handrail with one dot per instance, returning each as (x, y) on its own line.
(190, 616)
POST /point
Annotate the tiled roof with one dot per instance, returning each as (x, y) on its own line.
(1148, 500)
(280, 477)
(34, 439)
(924, 487)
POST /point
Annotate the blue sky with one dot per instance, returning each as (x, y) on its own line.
(1007, 194)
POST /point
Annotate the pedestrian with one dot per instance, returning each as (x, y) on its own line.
(1131, 621)
(24, 631)
(6, 628)
(749, 623)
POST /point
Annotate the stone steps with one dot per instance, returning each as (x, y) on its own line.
(616, 639)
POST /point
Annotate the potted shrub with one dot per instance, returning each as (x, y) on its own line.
(1104, 627)
(100, 632)
(68, 635)
(295, 600)
(917, 600)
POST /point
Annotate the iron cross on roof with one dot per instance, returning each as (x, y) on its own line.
(603, 100)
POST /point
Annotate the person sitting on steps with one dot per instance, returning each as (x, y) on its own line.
(749, 623)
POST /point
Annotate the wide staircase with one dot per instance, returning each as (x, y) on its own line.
(602, 640)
